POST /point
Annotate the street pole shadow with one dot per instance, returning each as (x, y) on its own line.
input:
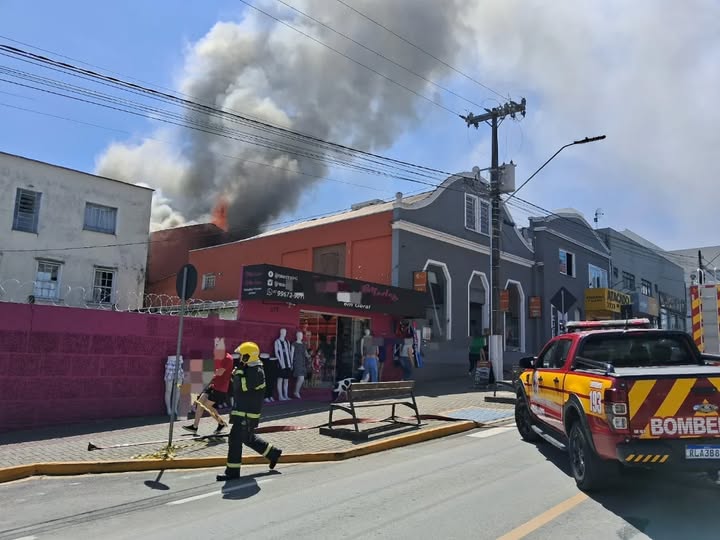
(157, 484)
(245, 486)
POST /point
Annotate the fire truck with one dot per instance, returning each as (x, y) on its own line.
(621, 394)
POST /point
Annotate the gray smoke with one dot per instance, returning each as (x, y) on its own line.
(267, 71)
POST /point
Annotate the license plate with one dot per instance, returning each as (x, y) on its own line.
(702, 451)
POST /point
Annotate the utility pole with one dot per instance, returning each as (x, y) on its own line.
(493, 116)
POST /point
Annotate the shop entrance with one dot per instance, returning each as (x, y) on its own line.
(334, 346)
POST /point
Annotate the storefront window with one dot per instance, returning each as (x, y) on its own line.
(334, 346)
(436, 311)
(512, 318)
(476, 307)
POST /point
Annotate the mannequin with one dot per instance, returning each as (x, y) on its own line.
(370, 357)
(282, 353)
(300, 356)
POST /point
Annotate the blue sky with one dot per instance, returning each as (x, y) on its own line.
(636, 187)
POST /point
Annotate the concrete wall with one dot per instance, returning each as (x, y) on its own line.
(60, 365)
(568, 231)
(60, 226)
(629, 256)
(433, 232)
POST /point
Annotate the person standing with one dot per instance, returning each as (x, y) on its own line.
(248, 382)
(214, 393)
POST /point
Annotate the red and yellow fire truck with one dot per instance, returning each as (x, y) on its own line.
(619, 394)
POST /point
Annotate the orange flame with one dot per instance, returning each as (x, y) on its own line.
(219, 213)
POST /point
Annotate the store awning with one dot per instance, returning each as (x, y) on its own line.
(281, 284)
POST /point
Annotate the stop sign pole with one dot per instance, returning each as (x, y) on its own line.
(185, 287)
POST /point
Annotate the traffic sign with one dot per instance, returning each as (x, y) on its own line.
(563, 300)
(189, 274)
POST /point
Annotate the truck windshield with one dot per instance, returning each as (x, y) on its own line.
(637, 350)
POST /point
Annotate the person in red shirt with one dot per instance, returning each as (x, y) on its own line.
(215, 392)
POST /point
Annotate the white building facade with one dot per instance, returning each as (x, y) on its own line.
(71, 238)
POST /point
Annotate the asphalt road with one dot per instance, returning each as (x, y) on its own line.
(486, 484)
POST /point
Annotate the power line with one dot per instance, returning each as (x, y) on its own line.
(348, 57)
(260, 125)
(212, 152)
(456, 70)
(378, 53)
(547, 213)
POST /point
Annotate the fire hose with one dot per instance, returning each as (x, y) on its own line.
(280, 428)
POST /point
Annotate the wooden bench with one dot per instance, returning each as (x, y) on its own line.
(379, 394)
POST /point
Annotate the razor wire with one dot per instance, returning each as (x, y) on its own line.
(102, 298)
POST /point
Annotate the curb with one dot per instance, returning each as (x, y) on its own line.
(72, 468)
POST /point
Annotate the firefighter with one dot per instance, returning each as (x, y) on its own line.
(248, 385)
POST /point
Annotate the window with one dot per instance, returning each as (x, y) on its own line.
(645, 287)
(100, 218)
(208, 281)
(329, 260)
(555, 355)
(638, 350)
(567, 263)
(47, 280)
(512, 318)
(27, 210)
(477, 214)
(437, 308)
(598, 277)
(104, 285)
(616, 272)
(628, 281)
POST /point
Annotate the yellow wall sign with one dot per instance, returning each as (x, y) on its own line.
(605, 300)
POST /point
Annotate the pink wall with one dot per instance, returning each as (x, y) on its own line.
(61, 365)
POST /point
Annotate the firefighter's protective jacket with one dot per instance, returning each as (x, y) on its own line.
(248, 391)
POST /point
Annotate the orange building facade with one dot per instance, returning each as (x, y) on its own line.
(357, 248)
(347, 255)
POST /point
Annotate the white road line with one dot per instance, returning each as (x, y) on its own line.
(492, 432)
(27, 538)
(220, 492)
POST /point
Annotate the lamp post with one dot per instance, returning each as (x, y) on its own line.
(581, 141)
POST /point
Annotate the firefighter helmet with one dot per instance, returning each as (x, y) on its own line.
(248, 351)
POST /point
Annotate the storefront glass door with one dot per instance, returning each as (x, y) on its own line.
(350, 334)
(334, 346)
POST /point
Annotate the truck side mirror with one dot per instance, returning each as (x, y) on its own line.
(527, 362)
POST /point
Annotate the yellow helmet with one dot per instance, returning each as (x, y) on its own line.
(248, 351)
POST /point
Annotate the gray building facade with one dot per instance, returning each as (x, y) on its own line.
(447, 235)
(570, 258)
(655, 283)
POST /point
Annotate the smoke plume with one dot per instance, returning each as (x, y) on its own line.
(264, 70)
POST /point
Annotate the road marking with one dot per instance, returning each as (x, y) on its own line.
(27, 538)
(220, 491)
(546, 517)
(491, 432)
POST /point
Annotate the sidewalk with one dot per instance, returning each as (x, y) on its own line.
(70, 443)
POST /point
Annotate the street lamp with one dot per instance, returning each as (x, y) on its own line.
(581, 141)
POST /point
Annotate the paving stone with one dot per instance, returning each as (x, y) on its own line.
(70, 443)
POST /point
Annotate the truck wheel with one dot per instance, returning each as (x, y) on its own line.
(590, 471)
(523, 421)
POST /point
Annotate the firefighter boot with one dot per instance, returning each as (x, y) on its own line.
(274, 457)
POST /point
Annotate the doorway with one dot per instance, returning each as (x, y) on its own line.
(349, 336)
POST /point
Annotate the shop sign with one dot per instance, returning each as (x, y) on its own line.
(420, 281)
(535, 310)
(277, 283)
(646, 305)
(605, 300)
(505, 300)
